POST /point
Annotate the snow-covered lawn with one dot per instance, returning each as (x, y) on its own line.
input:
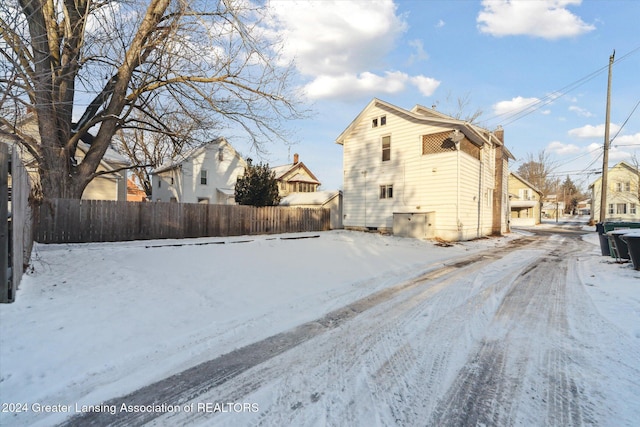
(97, 321)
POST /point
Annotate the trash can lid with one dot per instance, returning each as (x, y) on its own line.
(619, 231)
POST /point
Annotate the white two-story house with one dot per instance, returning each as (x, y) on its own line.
(207, 174)
(421, 173)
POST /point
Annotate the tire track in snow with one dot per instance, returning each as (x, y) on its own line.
(483, 393)
(370, 369)
(201, 379)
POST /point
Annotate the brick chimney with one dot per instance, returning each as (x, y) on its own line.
(499, 133)
(295, 158)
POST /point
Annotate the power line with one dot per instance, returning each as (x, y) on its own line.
(625, 122)
(519, 113)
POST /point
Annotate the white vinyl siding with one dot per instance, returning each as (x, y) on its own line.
(221, 165)
(421, 183)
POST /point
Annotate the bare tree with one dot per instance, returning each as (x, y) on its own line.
(537, 170)
(127, 59)
(458, 108)
(148, 148)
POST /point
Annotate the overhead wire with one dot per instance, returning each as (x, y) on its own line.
(521, 112)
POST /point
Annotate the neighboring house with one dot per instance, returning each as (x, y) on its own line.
(318, 199)
(109, 186)
(134, 192)
(622, 194)
(446, 176)
(524, 201)
(584, 207)
(552, 207)
(207, 174)
(295, 178)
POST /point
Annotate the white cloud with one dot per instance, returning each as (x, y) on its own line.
(334, 37)
(580, 111)
(341, 47)
(549, 19)
(562, 149)
(419, 54)
(426, 85)
(590, 131)
(616, 154)
(440, 24)
(628, 140)
(514, 105)
(353, 86)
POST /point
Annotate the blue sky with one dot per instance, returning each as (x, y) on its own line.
(501, 55)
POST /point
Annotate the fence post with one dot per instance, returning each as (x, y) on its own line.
(6, 291)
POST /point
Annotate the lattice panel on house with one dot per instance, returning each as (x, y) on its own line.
(441, 143)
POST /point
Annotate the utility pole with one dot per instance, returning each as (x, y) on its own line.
(605, 157)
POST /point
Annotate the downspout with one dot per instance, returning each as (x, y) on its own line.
(481, 187)
(458, 187)
(364, 172)
(457, 137)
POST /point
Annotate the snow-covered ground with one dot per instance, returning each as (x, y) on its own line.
(96, 321)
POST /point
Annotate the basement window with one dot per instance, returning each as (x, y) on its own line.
(386, 191)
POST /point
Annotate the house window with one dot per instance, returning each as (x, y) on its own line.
(304, 187)
(386, 148)
(159, 182)
(632, 209)
(525, 194)
(621, 208)
(383, 120)
(386, 191)
(623, 186)
(172, 181)
(611, 211)
(220, 154)
(203, 177)
(374, 123)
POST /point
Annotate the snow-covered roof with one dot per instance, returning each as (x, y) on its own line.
(194, 152)
(282, 170)
(110, 156)
(313, 198)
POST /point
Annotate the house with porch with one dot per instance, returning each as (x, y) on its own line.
(525, 201)
(423, 174)
(295, 177)
(206, 174)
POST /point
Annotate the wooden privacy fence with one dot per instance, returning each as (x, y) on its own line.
(16, 239)
(76, 221)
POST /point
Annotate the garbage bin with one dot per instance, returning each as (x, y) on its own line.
(632, 239)
(618, 247)
(604, 240)
(604, 227)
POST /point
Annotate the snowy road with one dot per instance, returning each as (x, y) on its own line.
(505, 337)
